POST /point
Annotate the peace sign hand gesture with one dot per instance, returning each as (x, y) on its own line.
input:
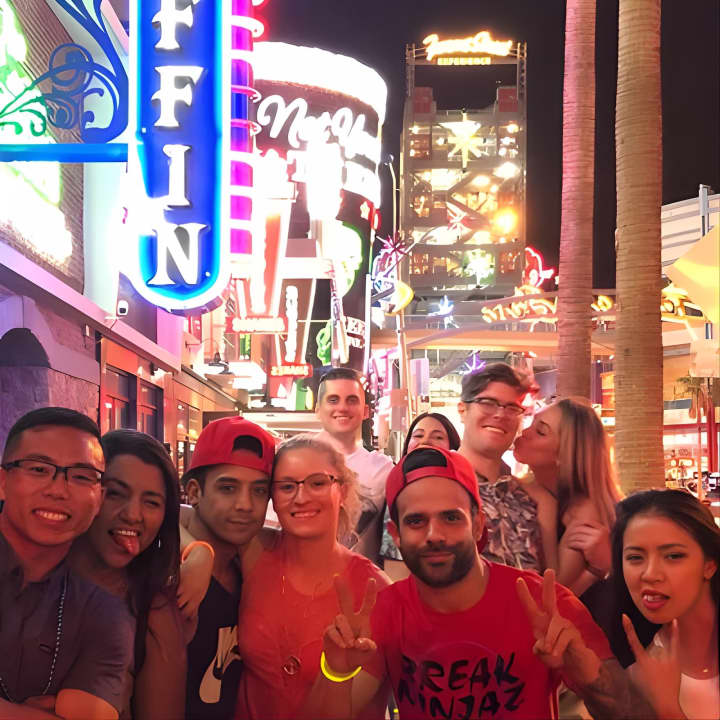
(555, 636)
(347, 642)
(656, 672)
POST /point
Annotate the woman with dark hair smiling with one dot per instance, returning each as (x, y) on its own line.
(132, 551)
(665, 552)
(431, 428)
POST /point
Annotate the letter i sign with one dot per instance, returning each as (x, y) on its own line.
(190, 147)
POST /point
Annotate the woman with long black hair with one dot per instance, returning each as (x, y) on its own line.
(132, 551)
(665, 551)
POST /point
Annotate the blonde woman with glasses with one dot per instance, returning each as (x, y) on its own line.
(288, 595)
(566, 449)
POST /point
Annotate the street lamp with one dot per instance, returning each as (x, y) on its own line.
(400, 317)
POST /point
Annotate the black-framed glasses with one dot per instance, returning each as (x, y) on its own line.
(490, 406)
(316, 485)
(44, 472)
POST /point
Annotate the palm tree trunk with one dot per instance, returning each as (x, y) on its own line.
(638, 347)
(578, 185)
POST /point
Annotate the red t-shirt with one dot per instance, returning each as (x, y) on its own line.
(473, 664)
(280, 636)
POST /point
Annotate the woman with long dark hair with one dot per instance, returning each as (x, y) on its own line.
(566, 449)
(665, 551)
(431, 428)
(132, 551)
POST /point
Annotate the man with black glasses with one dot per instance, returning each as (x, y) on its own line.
(65, 645)
(491, 408)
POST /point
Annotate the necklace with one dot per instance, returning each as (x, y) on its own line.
(58, 633)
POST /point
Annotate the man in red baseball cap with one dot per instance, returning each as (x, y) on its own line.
(228, 485)
(461, 637)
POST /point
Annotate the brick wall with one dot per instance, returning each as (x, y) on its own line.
(25, 388)
(44, 33)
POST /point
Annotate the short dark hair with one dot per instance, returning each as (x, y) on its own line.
(156, 570)
(452, 433)
(476, 382)
(419, 458)
(241, 442)
(340, 373)
(58, 416)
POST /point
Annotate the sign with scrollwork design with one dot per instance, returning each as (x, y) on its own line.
(72, 93)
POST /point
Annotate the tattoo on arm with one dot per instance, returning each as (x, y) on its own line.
(613, 695)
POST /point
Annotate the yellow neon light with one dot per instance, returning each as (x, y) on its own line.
(401, 298)
(479, 44)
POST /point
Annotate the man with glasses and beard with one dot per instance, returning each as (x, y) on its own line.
(462, 637)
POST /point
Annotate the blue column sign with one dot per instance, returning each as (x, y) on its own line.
(178, 159)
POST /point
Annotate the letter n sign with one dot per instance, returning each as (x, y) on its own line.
(190, 187)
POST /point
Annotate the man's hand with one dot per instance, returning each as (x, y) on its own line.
(347, 642)
(592, 539)
(554, 635)
(657, 672)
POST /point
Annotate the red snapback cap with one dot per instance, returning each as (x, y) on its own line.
(440, 463)
(215, 445)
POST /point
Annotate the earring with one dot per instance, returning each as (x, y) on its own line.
(159, 543)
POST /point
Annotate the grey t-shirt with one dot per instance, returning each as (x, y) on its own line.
(96, 641)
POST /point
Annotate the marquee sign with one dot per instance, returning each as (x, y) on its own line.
(189, 159)
(475, 50)
(302, 370)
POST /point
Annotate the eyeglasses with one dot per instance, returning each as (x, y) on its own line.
(489, 406)
(316, 485)
(44, 472)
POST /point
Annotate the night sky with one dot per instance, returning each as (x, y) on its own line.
(376, 31)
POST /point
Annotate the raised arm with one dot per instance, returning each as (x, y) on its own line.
(343, 688)
(602, 684)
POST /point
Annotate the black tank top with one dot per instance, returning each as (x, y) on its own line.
(214, 663)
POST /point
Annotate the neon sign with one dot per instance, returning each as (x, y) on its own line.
(300, 370)
(479, 44)
(189, 159)
(35, 188)
(264, 325)
(308, 132)
(535, 272)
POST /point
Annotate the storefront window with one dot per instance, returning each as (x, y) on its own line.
(116, 404)
(148, 404)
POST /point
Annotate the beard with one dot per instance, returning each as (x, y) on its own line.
(463, 553)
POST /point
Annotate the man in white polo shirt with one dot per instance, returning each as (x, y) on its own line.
(341, 409)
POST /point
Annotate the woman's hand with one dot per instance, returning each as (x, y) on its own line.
(347, 642)
(656, 673)
(195, 576)
(592, 539)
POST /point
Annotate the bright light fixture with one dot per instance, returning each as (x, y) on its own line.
(506, 220)
(507, 170)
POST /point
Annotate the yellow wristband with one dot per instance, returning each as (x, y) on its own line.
(196, 543)
(332, 675)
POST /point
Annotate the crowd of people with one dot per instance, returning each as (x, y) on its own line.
(497, 592)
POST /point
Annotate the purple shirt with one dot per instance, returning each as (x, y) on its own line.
(96, 643)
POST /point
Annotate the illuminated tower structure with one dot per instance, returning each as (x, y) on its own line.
(462, 185)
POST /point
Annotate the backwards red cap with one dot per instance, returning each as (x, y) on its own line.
(215, 445)
(441, 463)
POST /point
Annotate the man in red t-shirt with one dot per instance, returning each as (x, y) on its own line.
(462, 637)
